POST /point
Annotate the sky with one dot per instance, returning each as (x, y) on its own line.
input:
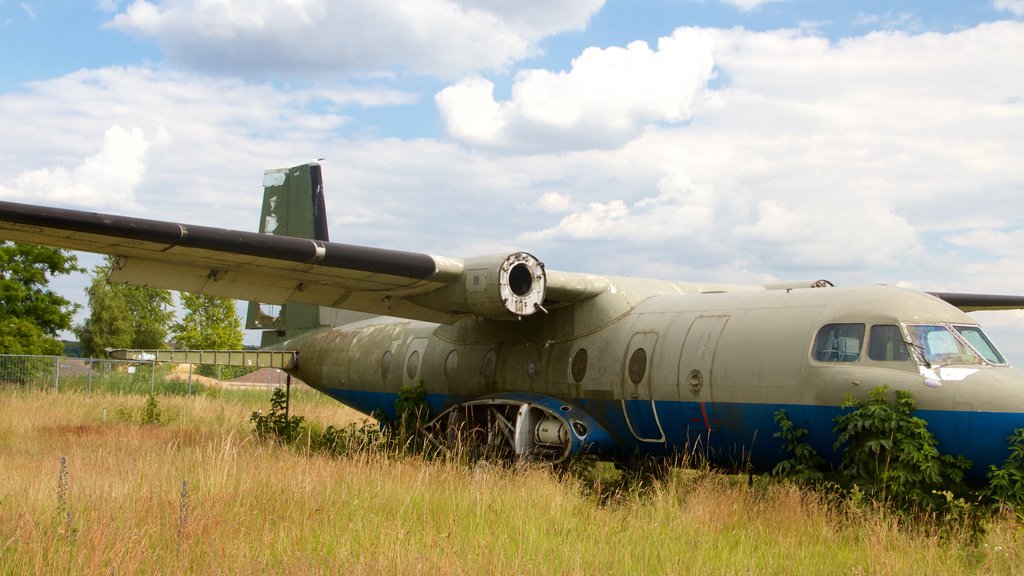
(736, 141)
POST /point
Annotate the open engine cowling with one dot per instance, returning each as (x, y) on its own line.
(498, 287)
(519, 426)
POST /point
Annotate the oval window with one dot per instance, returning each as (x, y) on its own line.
(412, 365)
(489, 367)
(451, 364)
(385, 364)
(637, 365)
(578, 365)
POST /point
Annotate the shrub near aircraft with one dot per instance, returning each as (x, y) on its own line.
(531, 362)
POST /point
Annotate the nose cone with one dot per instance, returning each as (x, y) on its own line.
(989, 407)
(999, 389)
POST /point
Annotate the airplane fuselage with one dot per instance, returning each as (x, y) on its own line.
(678, 371)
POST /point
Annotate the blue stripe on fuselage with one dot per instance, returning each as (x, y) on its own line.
(742, 433)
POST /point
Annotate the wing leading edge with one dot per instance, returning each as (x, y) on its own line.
(276, 269)
(977, 302)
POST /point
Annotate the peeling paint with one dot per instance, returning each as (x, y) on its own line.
(274, 178)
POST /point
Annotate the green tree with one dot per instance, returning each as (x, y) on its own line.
(210, 323)
(31, 314)
(124, 315)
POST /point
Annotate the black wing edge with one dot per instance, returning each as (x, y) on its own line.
(975, 302)
(322, 253)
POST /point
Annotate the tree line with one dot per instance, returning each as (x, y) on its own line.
(120, 315)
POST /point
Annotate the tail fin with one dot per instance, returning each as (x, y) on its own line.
(293, 205)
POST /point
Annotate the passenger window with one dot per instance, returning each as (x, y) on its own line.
(886, 343)
(839, 343)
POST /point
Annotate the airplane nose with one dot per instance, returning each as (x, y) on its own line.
(994, 390)
(989, 407)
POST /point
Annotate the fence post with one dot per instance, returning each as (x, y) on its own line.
(56, 373)
(152, 380)
(90, 380)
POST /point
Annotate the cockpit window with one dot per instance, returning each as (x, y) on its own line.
(885, 343)
(976, 338)
(940, 346)
(839, 343)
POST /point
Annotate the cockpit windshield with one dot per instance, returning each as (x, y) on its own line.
(977, 339)
(961, 344)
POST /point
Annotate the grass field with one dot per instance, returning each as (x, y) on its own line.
(197, 494)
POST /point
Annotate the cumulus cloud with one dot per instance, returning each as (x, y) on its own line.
(606, 99)
(107, 178)
(853, 155)
(554, 202)
(215, 136)
(1000, 243)
(681, 210)
(1015, 7)
(884, 157)
(858, 236)
(446, 38)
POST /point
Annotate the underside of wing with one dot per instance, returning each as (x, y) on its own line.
(276, 269)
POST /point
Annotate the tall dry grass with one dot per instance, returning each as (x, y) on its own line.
(198, 495)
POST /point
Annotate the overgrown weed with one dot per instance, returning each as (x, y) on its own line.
(260, 506)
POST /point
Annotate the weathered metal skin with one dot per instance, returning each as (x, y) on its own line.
(716, 369)
(544, 364)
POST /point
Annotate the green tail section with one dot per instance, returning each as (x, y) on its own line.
(293, 205)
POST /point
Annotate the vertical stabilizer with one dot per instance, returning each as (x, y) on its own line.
(293, 205)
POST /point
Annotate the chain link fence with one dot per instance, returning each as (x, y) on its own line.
(101, 375)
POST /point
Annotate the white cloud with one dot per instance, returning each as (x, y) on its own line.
(681, 210)
(554, 202)
(1015, 7)
(990, 242)
(845, 157)
(217, 136)
(108, 5)
(606, 99)
(333, 38)
(28, 10)
(883, 158)
(747, 5)
(108, 178)
(470, 112)
(824, 237)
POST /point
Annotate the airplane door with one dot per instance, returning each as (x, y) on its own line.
(696, 364)
(636, 390)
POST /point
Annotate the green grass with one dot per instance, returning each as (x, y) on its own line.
(257, 507)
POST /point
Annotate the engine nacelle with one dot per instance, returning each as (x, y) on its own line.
(498, 287)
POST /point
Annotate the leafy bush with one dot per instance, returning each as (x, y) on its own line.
(888, 456)
(891, 455)
(151, 413)
(805, 465)
(341, 441)
(1005, 486)
(276, 424)
(407, 432)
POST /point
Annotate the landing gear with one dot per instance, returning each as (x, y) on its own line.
(504, 430)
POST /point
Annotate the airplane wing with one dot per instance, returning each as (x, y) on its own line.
(276, 269)
(976, 302)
